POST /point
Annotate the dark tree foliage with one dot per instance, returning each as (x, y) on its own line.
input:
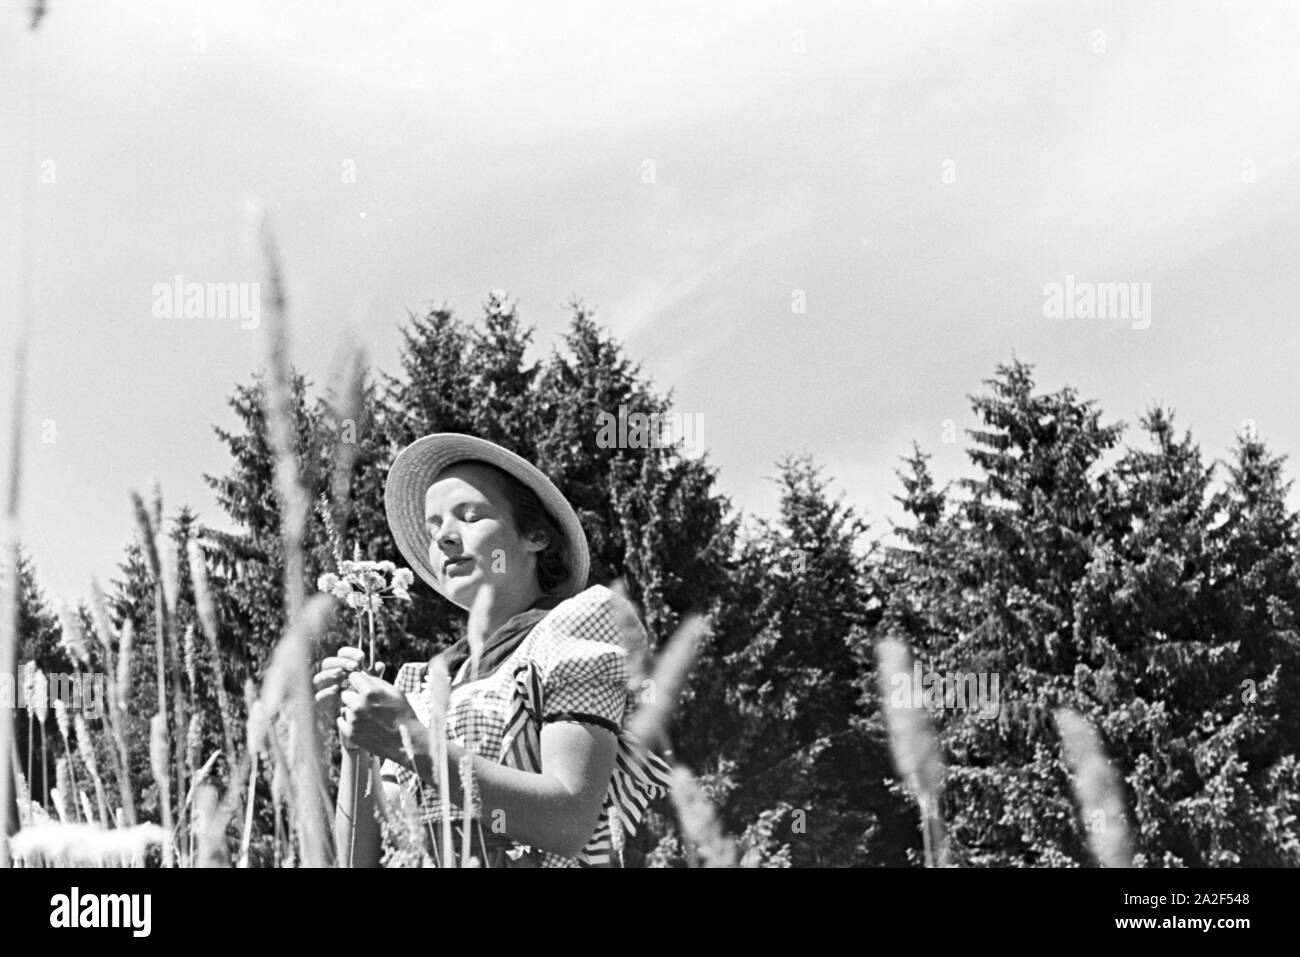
(1133, 593)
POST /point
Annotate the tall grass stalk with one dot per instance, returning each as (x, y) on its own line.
(62, 790)
(209, 828)
(916, 749)
(64, 724)
(280, 426)
(29, 692)
(158, 748)
(671, 669)
(114, 713)
(169, 587)
(287, 693)
(39, 706)
(22, 791)
(146, 530)
(706, 839)
(439, 695)
(348, 405)
(1098, 790)
(10, 525)
(246, 839)
(206, 608)
(86, 748)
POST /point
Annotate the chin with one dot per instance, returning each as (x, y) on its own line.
(460, 592)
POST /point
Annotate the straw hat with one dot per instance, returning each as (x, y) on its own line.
(417, 465)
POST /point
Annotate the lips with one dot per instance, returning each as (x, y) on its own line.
(457, 562)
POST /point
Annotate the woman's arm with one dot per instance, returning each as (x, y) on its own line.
(555, 810)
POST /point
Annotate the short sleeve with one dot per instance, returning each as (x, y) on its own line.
(581, 662)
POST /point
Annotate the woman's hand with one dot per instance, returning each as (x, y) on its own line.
(373, 714)
(333, 675)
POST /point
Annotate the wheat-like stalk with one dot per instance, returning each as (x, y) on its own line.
(62, 788)
(348, 405)
(87, 809)
(1098, 790)
(287, 691)
(87, 751)
(104, 628)
(114, 713)
(72, 638)
(168, 567)
(915, 747)
(169, 586)
(281, 428)
(256, 728)
(699, 820)
(146, 527)
(22, 792)
(64, 724)
(193, 752)
(650, 721)
(207, 613)
(210, 827)
(631, 635)
(158, 747)
(124, 666)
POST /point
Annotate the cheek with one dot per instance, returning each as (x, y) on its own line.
(484, 538)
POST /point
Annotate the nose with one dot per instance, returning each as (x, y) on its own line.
(447, 535)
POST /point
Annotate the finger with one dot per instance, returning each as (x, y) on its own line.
(350, 699)
(379, 669)
(330, 677)
(352, 654)
(327, 694)
(340, 663)
(364, 682)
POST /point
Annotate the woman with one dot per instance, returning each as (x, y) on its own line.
(535, 723)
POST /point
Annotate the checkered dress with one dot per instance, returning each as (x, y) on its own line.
(572, 666)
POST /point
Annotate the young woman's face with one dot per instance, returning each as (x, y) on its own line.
(473, 539)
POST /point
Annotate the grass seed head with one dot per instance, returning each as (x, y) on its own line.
(158, 754)
(124, 665)
(73, 637)
(1098, 790)
(651, 720)
(699, 820)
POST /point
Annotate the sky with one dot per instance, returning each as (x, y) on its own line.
(822, 225)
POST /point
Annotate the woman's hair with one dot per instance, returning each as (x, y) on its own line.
(530, 516)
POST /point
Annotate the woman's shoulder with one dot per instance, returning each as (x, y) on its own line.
(593, 624)
(597, 614)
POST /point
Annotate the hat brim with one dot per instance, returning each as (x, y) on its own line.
(414, 470)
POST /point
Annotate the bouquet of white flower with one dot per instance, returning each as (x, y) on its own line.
(365, 586)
